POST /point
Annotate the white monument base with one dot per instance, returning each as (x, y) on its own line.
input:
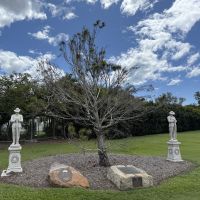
(14, 160)
(174, 153)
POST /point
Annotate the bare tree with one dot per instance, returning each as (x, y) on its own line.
(95, 94)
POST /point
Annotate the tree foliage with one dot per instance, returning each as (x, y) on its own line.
(169, 99)
(20, 90)
(197, 97)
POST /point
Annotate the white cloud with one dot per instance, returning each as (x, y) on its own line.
(180, 18)
(61, 11)
(11, 62)
(130, 7)
(17, 10)
(55, 10)
(47, 56)
(195, 71)
(33, 70)
(160, 42)
(70, 15)
(176, 81)
(183, 15)
(178, 48)
(32, 51)
(44, 35)
(193, 58)
(87, 1)
(107, 3)
(148, 63)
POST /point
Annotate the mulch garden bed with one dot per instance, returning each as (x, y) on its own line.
(35, 172)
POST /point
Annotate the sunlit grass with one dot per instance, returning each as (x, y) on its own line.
(183, 187)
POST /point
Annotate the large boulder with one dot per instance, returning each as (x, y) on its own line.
(61, 175)
(129, 177)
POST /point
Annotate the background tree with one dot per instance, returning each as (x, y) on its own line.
(168, 98)
(95, 95)
(20, 90)
(197, 97)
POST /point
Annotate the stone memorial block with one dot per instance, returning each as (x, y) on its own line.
(174, 154)
(129, 177)
(14, 159)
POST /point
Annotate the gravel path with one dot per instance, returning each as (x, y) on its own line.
(36, 171)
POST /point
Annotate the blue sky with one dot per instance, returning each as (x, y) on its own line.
(161, 37)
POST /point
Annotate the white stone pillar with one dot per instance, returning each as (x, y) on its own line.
(14, 160)
(174, 153)
(15, 147)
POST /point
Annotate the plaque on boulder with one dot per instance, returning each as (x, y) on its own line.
(61, 175)
(129, 177)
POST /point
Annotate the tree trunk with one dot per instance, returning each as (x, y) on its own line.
(64, 128)
(32, 127)
(54, 128)
(103, 157)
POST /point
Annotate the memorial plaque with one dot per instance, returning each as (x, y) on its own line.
(129, 170)
(137, 181)
(65, 174)
(177, 151)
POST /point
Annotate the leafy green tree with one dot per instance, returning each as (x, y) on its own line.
(168, 98)
(20, 90)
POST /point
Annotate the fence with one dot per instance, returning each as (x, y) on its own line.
(37, 127)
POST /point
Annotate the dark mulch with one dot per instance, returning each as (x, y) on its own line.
(36, 171)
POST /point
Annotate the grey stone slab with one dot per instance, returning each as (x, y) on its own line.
(129, 170)
(129, 177)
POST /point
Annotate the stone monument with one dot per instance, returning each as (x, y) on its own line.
(61, 175)
(15, 147)
(174, 154)
(127, 177)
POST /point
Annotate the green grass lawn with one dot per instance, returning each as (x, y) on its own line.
(183, 187)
